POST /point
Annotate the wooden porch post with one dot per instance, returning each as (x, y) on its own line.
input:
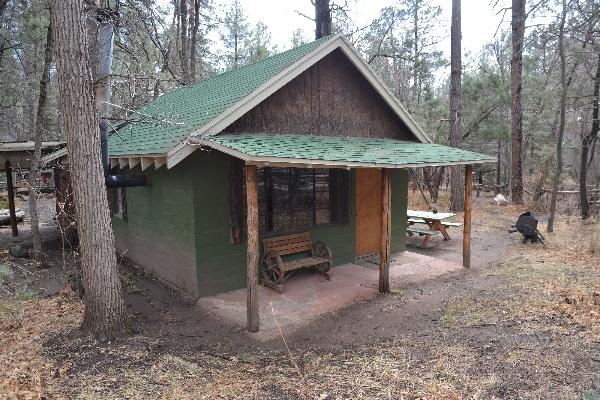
(467, 218)
(386, 226)
(11, 199)
(252, 249)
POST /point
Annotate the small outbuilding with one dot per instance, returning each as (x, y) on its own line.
(306, 140)
(18, 156)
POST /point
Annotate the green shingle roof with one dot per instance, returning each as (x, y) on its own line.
(173, 116)
(342, 151)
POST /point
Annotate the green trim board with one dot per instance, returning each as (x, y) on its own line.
(338, 152)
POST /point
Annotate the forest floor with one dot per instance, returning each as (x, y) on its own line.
(523, 322)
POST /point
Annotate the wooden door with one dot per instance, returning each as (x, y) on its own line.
(368, 211)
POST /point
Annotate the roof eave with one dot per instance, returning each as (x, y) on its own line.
(310, 163)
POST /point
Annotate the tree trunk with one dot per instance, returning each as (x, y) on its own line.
(585, 146)
(516, 71)
(184, 59)
(457, 185)
(194, 41)
(416, 63)
(561, 125)
(3, 4)
(322, 18)
(105, 313)
(41, 125)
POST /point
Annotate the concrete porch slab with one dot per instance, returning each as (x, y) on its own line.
(308, 295)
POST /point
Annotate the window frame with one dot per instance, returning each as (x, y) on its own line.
(339, 188)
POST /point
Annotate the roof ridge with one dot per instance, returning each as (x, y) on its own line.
(254, 63)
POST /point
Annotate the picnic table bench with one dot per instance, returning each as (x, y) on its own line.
(421, 232)
(285, 254)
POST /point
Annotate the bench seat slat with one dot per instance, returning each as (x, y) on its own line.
(287, 245)
(288, 238)
(302, 262)
(290, 248)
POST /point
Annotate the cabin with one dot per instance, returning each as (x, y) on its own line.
(309, 140)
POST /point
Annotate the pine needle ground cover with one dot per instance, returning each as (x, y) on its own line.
(524, 325)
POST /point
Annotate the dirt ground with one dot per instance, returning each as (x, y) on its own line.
(522, 323)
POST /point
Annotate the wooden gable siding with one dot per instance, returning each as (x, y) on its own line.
(331, 98)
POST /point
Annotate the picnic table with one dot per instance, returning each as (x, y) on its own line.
(436, 221)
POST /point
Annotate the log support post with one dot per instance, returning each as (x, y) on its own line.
(252, 249)
(11, 199)
(386, 230)
(467, 217)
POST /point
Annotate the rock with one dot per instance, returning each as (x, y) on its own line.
(18, 251)
(501, 200)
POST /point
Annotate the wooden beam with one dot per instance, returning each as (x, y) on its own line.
(123, 162)
(252, 249)
(146, 162)
(113, 163)
(386, 231)
(11, 199)
(236, 199)
(467, 217)
(133, 161)
(159, 162)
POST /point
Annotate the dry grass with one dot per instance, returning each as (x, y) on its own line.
(558, 282)
(487, 344)
(24, 327)
(391, 370)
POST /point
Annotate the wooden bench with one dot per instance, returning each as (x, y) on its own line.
(422, 232)
(412, 221)
(309, 254)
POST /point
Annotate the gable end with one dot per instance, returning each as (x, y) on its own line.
(331, 98)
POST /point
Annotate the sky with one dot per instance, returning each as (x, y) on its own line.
(479, 19)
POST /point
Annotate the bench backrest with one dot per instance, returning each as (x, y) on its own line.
(288, 244)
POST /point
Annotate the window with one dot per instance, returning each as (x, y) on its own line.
(120, 203)
(289, 198)
(293, 198)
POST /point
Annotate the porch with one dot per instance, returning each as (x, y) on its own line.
(373, 159)
(309, 296)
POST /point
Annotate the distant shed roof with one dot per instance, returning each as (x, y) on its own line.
(341, 152)
(27, 146)
(20, 154)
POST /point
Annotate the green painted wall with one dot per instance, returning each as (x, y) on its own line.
(179, 226)
(221, 264)
(159, 233)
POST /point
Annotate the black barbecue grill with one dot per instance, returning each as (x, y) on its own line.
(527, 226)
